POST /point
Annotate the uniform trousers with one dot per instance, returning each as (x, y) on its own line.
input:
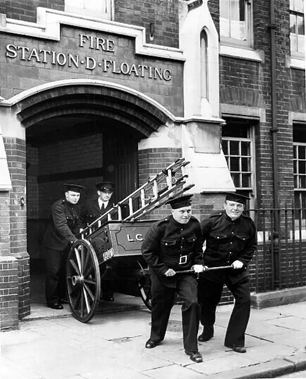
(209, 295)
(55, 286)
(162, 301)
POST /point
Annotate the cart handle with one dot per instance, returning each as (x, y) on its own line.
(207, 269)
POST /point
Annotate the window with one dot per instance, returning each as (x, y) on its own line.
(204, 65)
(238, 149)
(299, 165)
(91, 8)
(297, 28)
(236, 25)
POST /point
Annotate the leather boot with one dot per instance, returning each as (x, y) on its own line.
(208, 333)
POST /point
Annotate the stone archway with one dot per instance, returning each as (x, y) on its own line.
(95, 98)
(30, 114)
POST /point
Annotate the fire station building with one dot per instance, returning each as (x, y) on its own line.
(117, 90)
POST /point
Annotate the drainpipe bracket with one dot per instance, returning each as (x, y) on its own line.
(272, 26)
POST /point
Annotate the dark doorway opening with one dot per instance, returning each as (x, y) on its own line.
(83, 150)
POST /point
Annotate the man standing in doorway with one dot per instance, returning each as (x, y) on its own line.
(95, 209)
(64, 226)
(171, 245)
(231, 240)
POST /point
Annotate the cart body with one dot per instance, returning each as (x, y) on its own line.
(117, 240)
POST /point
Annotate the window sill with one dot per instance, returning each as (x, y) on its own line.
(242, 53)
(298, 63)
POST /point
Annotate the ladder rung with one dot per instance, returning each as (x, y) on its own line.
(119, 213)
(143, 198)
(169, 178)
(130, 205)
(155, 189)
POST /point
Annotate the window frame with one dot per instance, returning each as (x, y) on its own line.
(299, 177)
(299, 191)
(240, 173)
(299, 54)
(249, 41)
(250, 125)
(102, 9)
(299, 140)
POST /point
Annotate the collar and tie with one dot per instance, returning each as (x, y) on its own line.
(102, 205)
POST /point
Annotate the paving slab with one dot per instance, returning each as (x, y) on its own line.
(53, 345)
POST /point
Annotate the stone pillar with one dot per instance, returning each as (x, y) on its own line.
(9, 314)
(13, 217)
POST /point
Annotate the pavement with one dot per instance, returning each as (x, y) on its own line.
(52, 344)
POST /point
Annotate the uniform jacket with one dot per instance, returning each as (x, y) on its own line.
(64, 225)
(226, 241)
(167, 241)
(93, 211)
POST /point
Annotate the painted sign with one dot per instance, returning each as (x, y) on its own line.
(104, 63)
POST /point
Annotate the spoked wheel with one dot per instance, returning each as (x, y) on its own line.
(144, 286)
(83, 280)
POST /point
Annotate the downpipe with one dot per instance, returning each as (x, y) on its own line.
(275, 167)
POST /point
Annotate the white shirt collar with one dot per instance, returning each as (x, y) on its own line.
(102, 202)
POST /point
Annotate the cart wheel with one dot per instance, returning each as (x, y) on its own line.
(144, 286)
(83, 280)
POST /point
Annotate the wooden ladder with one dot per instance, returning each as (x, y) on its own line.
(152, 194)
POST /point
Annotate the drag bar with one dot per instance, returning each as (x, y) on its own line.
(207, 269)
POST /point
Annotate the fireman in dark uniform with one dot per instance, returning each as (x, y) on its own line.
(171, 245)
(65, 223)
(95, 209)
(231, 239)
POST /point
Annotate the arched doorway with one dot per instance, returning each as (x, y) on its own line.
(81, 133)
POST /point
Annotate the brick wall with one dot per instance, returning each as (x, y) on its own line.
(162, 14)
(248, 83)
(23, 285)
(8, 293)
(16, 157)
(150, 163)
(68, 161)
(25, 10)
(213, 6)
(210, 203)
(4, 223)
